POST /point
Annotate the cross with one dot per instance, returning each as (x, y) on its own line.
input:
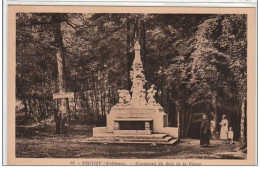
(69, 95)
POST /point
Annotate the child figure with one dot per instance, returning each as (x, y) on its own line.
(230, 135)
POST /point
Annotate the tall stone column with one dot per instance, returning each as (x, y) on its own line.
(138, 79)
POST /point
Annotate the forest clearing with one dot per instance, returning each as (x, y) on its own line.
(70, 68)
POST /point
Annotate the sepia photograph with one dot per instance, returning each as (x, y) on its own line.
(140, 85)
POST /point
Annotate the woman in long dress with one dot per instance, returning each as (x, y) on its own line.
(224, 127)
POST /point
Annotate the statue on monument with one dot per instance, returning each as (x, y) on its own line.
(138, 92)
(151, 95)
(142, 100)
(124, 97)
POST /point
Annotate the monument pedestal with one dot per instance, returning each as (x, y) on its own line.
(137, 118)
(136, 125)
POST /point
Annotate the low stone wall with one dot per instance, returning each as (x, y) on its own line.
(99, 131)
(172, 131)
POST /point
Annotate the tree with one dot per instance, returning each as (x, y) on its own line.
(53, 22)
(233, 42)
(197, 63)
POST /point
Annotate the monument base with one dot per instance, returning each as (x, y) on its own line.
(139, 120)
(141, 139)
(100, 131)
(135, 132)
(136, 125)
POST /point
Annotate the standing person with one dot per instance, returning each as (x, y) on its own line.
(230, 135)
(224, 128)
(204, 131)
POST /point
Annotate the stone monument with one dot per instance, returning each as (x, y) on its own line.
(137, 118)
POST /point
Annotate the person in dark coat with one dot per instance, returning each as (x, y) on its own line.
(204, 131)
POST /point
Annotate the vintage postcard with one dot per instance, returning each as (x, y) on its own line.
(91, 85)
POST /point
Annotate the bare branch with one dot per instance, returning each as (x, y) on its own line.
(75, 26)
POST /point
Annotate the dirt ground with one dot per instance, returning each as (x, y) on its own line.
(32, 142)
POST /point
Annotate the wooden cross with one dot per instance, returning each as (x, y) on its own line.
(69, 95)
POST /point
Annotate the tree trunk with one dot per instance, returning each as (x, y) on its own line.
(178, 116)
(93, 107)
(143, 45)
(128, 54)
(162, 90)
(63, 108)
(242, 121)
(57, 117)
(214, 132)
(101, 104)
(95, 100)
(109, 99)
(25, 107)
(188, 120)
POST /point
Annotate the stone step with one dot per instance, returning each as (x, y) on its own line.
(115, 142)
(171, 142)
(150, 136)
(166, 139)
